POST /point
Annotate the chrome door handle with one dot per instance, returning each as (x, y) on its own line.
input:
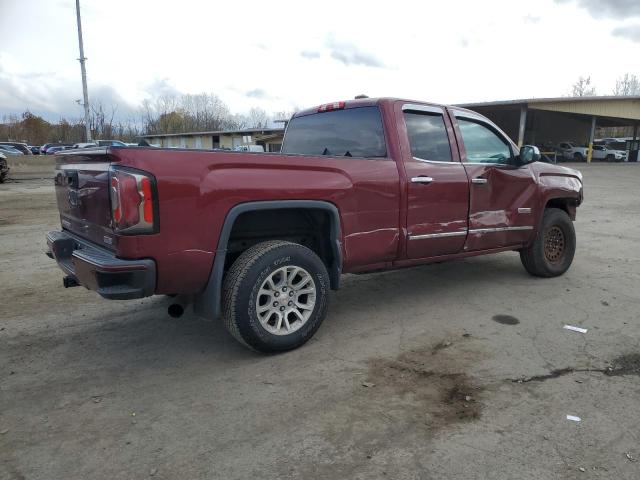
(479, 181)
(421, 180)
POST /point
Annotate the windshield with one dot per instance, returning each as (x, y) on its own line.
(355, 132)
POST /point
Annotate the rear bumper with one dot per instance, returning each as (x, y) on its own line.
(98, 269)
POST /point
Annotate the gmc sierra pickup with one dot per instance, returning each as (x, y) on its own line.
(259, 238)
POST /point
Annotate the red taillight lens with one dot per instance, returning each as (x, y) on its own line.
(132, 202)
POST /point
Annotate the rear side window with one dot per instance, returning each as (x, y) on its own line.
(428, 137)
(355, 132)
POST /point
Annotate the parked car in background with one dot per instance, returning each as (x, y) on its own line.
(570, 151)
(45, 148)
(608, 153)
(10, 151)
(249, 148)
(85, 145)
(35, 150)
(58, 148)
(4, 168)
(110, 143)
(21, 147)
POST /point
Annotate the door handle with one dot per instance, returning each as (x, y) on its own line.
(421, 180)
(479, 181)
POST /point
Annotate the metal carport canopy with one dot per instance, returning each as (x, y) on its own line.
(611, 109)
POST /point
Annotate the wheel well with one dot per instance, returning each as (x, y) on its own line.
(308, 227)
(566, 204)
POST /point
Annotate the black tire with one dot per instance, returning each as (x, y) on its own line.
(552, 251)
(578, 157)
(244, 280)
(3, 177)
(611, 158)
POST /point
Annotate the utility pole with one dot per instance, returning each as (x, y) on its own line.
(82, 59)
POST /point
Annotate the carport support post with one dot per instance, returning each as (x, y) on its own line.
(592, 135)
(522, 125)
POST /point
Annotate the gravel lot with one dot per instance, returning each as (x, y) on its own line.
(455, 370)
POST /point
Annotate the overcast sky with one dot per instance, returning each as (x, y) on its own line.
(283, 55)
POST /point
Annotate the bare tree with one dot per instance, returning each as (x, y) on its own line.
(627, 85)
(258, 118)
(583, 88)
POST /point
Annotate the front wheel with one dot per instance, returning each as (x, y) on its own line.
(552, 251)
(275, 296)
(578, 157)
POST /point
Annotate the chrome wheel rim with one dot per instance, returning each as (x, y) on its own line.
(285, 300)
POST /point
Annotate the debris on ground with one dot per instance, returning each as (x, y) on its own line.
(582, 469)
(630, 457)
(628, 364)
(440, 346)
(573, 418)
(575, 329)
(368, 384)
(5, 431)
(605, 303)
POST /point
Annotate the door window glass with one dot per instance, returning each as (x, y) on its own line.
(482, 144)
(428, 137)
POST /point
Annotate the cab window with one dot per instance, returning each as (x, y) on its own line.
(428, 137)
(482, 144)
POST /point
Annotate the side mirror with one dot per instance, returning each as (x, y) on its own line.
(529, 154)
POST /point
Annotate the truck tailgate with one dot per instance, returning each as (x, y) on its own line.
(82, 193)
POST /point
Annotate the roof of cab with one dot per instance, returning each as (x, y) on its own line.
(370, 102)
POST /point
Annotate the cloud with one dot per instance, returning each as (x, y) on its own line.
(631, 32)
(350, 54)
(531, 18)
(161, 87)
(257, 93)
(609, 8)
(53, 97)
(310, 54)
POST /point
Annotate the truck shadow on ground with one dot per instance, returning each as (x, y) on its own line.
(145, 337)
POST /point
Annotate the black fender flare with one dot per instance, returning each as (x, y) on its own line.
(208, 303)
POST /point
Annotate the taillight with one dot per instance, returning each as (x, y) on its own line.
(133, 202)
(327, 107)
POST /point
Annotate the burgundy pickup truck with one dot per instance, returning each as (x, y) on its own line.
(259, 239)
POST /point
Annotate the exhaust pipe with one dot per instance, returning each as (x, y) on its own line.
(69, 282)
(175, 310)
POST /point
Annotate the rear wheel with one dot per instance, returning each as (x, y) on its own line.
(552, 251)
(611, 158)
(275, 296)
(578, 157)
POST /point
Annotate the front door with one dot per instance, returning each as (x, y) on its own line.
(502, 196)
(437, 185)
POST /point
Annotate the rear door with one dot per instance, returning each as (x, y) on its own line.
(437, 185)
(502, 196)
(82, 193)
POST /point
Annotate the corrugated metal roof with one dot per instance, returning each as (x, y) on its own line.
(266, 131)
(627, 107)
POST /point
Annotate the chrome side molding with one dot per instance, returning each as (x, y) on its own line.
(501, 229)
(479, 231)
(461, 233)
